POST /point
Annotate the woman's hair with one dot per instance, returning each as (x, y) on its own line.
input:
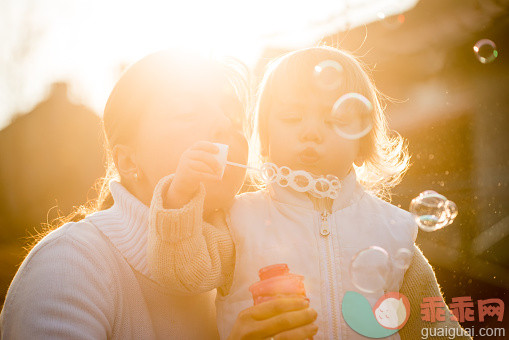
(159, 75)
(384, 151)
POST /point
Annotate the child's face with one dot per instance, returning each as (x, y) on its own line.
(173, 125)
(300, 136)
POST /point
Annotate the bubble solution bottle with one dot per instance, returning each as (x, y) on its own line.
(276, 281)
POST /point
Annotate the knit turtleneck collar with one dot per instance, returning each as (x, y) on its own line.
(126, 226)
(351, 191)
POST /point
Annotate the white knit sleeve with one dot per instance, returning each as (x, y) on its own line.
(61, 291)
(185, 254)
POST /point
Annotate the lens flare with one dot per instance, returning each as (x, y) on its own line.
(352, 116)
(328, 75)
(391, 18)
(402, 258)
(485, 50)
(370, 269)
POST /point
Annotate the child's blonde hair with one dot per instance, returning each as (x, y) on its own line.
(384, 151)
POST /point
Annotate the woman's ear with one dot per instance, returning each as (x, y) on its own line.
(125, 161)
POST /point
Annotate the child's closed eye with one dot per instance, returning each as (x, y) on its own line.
(290, 117)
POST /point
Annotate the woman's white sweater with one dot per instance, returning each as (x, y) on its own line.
(90, 280)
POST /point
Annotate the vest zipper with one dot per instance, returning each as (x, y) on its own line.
(324, 229)
(331, 277)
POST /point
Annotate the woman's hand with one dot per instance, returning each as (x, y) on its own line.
(284, 318)
(197, 164)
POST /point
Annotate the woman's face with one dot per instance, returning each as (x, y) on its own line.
(174, 124)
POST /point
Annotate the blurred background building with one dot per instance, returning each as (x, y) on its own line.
(452, 108)
(50, 158)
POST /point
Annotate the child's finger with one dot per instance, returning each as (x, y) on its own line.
(201, 168)
(303, 332)
(277, 306)
(207, 158)
(205, 146)
(286, 321)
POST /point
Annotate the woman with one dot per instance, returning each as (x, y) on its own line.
(89, 279)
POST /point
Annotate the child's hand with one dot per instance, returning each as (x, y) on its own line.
(284, 318)
(197, 164)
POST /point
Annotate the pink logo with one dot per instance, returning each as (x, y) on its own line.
(392, 310)
(462, 308)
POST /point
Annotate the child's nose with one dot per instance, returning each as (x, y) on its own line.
(311, 131)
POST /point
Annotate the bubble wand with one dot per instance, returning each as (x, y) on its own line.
(299, 180)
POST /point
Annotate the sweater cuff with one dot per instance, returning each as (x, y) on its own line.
(174, 225)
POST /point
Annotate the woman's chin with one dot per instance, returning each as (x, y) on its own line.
(220, 195)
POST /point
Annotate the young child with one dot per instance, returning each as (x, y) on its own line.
(316, 237)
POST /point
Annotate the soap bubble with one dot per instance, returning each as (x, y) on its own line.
(335, 186)
(390, 18)
(351, 116)
(485, 50)
(333, 194)
(452, 211)
(402, 258)
(328, 75)
(322, 187)
(334, 181)
(282, 176)
(284, 171)
(283, 182)
(370, 269)
(433, 211)
(269, 172)
(300, 180)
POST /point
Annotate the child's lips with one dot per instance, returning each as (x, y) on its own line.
(309, 155)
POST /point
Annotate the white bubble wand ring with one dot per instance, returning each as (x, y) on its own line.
(299, 180)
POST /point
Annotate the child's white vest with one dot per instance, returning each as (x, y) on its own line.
(280, 225)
